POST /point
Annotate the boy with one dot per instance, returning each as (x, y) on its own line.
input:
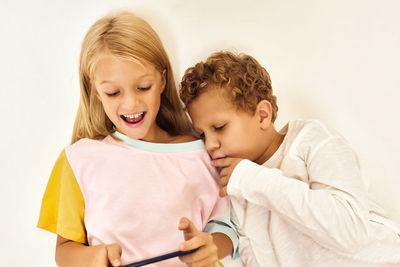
(297, 195)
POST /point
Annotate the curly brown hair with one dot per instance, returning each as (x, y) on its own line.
(241, 76)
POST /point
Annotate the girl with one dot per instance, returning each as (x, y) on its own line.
(117, 192)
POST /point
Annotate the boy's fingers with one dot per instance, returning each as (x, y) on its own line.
(197, 241)
(188, 228)
(200, 257)
(223, 192)
(183, 223)
(201, 262)
(225, 171)
(223, 181)
(206, 255)
(114, 254)
(221, 162)
(226, 165)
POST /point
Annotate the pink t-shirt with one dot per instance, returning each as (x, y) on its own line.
(135, 192)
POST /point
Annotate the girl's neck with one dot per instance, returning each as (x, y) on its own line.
(163, 137)
(181, 139)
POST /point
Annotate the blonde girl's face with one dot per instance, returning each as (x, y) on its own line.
(130, 93)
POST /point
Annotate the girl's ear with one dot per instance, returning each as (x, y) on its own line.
(163, 80)
(264, 113)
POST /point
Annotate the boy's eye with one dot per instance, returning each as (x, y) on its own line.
(202, 136)
(144, 88)
(113, 94)
(218, 128)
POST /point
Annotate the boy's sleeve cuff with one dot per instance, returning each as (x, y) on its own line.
(224, 225)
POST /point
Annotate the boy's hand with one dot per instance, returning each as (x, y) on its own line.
(206, 255)
(227, 166)
(104, 255)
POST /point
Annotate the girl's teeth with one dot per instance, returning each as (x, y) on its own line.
(134, 116)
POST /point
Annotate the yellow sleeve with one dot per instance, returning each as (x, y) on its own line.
(63, 205)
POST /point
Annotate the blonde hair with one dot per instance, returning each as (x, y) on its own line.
(244, 80)
(130, 37)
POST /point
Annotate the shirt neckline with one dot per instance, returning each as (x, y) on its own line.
(160, 147)
(277, 156)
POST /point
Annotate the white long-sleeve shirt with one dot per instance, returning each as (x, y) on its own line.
(308, 206)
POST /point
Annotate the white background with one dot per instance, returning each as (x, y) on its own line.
(337, 61)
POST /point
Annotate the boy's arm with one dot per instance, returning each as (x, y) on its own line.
(75, 254)
(223, 243)
(331, 208)
(224, 234)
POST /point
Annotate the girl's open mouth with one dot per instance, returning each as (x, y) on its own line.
(133, 118)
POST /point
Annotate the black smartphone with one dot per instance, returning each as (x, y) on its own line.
(160, 258)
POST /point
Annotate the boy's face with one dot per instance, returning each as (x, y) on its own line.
(227, 131)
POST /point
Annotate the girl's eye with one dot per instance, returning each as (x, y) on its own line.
(113, 94)
(144, 88)
(202, 136)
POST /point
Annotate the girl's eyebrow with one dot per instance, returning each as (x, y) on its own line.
(140, 77)
(103, 82)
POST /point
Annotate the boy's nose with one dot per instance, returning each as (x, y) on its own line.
(212, 144)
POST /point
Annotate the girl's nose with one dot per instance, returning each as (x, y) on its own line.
(130, 100)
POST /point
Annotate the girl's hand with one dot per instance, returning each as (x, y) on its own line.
(104, 255)
(227, 166)
(71, 253)
(206, 255)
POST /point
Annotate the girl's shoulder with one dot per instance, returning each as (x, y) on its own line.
(87, 145)
(86, 141)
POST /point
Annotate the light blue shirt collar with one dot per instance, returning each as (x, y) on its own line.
(160, 147)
